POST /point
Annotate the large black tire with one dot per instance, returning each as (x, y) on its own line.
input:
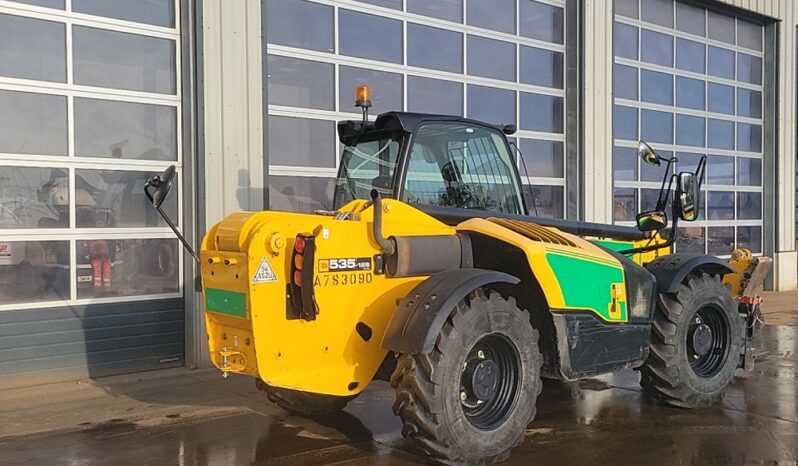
(304, 403)
(428, 395)
(676, 372)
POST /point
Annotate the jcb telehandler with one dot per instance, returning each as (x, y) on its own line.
(429, 264)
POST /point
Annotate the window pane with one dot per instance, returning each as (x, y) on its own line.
(749, 206)
(657, 12)
(652, 173)
(749, 171)
(690, 55)
(720, 62)
(690, 131)
(45, 3)
(287, 21)
(128, 267)
(451, 10)
(386, 89)
(624, 204)
(38, 126)
(624, 82)
(300, 194)
(688, 161)
(541, 67)
(624, 164)
(115, 198)
(656, 126)
(491, 105)
(543, 158)
(749, 137)
(656, 87)
(749, 68)
(491, 58)
(446, 54)
(720, 169)
(301, 142)
(720, 98)
(749, 35)
(301, 83)
(32, 49)
(691, 19)
(656, 47)
(545, 201)
(425, 95)
(749, 103)
(648, 200)
(33, 197)
(720, 240)
(541, 21)
(156, 12)
(720, 205)
(394, 4)
(542, 113)
(690, 239)
(720, 134)
(498, 15)
(624, 123)
(369, 36)
(690, 93)
(34, 271)
(750, 238)
(625, 41)
(627, 8)
(123, 61)
(720, 27)
(105, 128)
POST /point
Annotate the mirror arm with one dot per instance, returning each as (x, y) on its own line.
(660, 201)
(700, 170)
(151, 182)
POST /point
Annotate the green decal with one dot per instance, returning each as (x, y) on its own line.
(226, 302)
(614, 245)
(586, 282)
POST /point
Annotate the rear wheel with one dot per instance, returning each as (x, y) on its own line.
(304, 403)
(695, 344)
(471, 399)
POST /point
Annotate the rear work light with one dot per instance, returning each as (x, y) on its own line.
(300, 288)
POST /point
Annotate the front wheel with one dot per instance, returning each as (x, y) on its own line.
(471, 399)
(696, 343)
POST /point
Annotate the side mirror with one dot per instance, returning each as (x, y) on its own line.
(652, 221)
(647, 154)
(687, 192)
(162, 184)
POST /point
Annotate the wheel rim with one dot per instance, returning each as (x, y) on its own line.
(489, 382)
(708, 338)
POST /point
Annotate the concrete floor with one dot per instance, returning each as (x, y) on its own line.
(179, 417)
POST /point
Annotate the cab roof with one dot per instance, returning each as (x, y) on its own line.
(350, 131)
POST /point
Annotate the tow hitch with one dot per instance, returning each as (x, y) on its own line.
(753, 277)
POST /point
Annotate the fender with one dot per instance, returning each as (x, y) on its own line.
(420, 316)
(671, 270)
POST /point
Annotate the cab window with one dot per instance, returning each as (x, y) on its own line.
(461, 165)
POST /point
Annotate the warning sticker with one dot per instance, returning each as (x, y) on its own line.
(265, 273)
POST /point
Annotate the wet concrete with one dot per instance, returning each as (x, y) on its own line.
(606, 420)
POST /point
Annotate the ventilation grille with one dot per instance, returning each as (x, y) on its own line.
(533, 231)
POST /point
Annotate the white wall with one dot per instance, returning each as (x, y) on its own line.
(233, 111)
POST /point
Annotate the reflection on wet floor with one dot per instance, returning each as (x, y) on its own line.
(605, 420)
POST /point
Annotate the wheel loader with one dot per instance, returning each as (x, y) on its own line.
(429, 272)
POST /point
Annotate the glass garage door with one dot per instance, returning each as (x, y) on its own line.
(689, 81)
(500, 61)
(89, 109)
